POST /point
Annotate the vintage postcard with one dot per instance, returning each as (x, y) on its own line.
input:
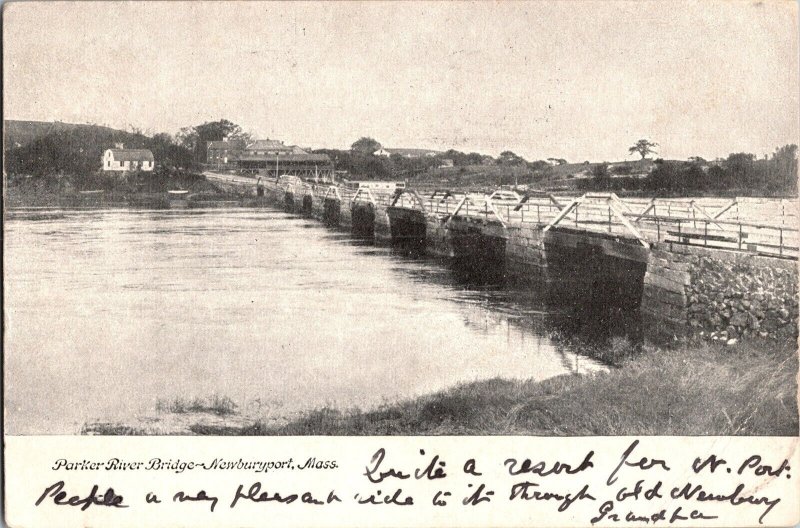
(400, 263)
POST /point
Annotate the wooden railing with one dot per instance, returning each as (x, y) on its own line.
(759, 238)
(716, 224)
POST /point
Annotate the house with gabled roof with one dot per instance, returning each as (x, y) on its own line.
(122, 159)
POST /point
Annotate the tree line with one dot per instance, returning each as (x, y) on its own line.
(78, 151)
(741, 173)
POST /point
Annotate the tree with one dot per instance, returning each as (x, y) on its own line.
(601, 176)
(785, 161)
(219, 130)
(187, 138)
(539, 165)
(365, 145)
(509, 158)
(740, 169)
(643, 147)
(195, 138)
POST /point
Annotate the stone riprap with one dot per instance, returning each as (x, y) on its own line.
(733, 297)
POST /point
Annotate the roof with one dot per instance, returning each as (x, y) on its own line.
(267, 144)
(132, 155)
(321, 158)
(231, 144)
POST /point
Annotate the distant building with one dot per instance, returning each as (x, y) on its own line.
(446, 163)
(225, 152)
(122, 159)
(274, 158)
(270, 147)
(406, 152)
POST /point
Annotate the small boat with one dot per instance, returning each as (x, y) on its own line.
(178, 199)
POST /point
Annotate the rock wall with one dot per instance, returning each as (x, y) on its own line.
(525, 254)
(438, 241)
(317, 207)
(663, 306)
(383, 232)
(733, 297)
(345, 214)
(720, 294)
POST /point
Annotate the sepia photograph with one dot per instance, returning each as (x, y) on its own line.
(540, 219)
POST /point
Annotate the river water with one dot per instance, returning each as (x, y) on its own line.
(109, 311)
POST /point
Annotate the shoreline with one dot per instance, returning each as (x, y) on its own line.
(694, 388)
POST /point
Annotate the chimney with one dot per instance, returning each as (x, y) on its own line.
(119, 145)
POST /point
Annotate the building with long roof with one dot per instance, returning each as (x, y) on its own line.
(274, 158)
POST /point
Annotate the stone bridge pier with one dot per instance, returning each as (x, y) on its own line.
(677, 289)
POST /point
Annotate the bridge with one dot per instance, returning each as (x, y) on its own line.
(723, 267)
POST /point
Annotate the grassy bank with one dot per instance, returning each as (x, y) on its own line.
(694, 389)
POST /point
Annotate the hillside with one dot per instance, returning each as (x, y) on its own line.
(45, 149)
(18, 133)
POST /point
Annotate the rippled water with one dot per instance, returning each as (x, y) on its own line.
(108, 311)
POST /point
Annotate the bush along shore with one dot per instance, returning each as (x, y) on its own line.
(693, 388)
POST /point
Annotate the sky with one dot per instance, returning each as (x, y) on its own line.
(568, 79)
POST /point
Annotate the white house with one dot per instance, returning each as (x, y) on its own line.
(121, 159)
(406, 152)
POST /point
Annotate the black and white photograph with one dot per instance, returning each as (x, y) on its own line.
(534, 219)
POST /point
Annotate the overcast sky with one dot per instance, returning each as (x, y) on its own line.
(576, 80)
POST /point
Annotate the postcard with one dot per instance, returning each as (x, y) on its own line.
(400, 263)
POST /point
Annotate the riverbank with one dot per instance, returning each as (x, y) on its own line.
(697, 388)
(103, 190)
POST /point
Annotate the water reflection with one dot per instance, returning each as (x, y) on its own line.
(110, 311)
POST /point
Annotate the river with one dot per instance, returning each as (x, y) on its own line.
(109, 311)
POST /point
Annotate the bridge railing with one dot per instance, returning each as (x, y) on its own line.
(774, 211)
(759, 238)
(601, 213)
